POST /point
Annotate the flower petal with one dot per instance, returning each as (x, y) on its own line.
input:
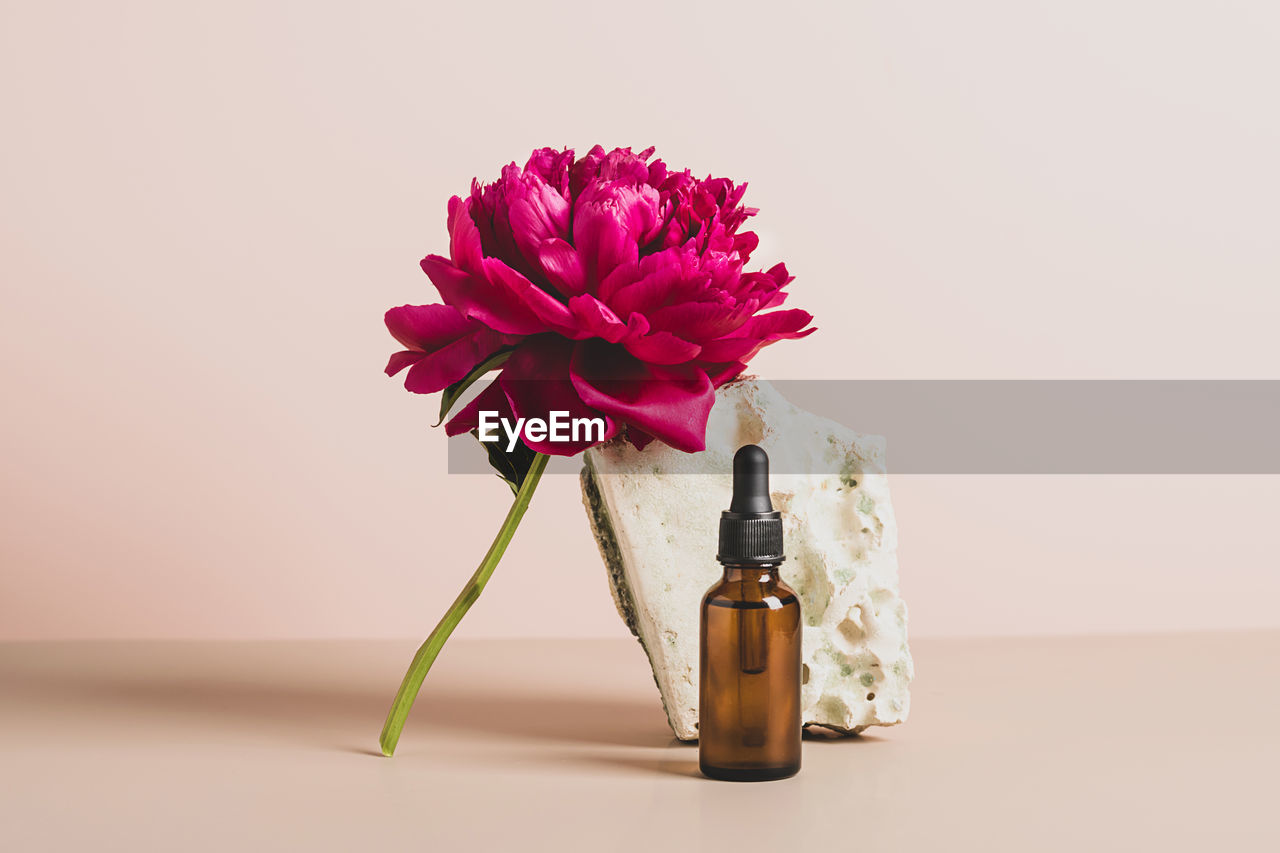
(623, 274)
(719, 374)
(757, 334)
(609, 223)
(400, 360)
(661, 348)
(427, 327)
(443, 345)
(639, 438)
(670, 403)
(777, 324)
(700, 321)
(464, 238)
(550, 312)
(538, 214)
(657, 347)
(731, 349)
(597, 318)
(438, 370)
(536, 382)
(648, 293)
(477, 297)
(561, 265)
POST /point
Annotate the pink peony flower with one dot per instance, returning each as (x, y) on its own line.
(606, 287)
(618, 286)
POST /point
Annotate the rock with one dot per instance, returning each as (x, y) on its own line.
(655, 514)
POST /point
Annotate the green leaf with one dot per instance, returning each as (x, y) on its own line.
(451, 394)
(512, 466)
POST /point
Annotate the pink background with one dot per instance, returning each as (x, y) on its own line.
(207, 208)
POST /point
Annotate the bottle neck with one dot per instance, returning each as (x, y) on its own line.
(762, 573)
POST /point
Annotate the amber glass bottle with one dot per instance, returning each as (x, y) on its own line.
(749, 706)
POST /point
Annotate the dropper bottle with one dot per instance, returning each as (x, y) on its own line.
(749, 706)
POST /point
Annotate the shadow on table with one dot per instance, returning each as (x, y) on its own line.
(222, 705)
(817, 734)
(585, 719)
(190, 693)
(662, 764)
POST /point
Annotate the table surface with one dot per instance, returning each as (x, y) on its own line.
(1152, 742)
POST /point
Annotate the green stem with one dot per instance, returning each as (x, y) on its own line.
(431, 648)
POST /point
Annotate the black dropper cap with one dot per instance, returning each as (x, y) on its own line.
(750, 529)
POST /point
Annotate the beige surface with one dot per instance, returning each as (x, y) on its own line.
(1050, 744)
(205, 209)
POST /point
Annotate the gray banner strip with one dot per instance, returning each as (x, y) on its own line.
(1036, 426)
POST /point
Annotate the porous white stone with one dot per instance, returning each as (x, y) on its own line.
(656, 512)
